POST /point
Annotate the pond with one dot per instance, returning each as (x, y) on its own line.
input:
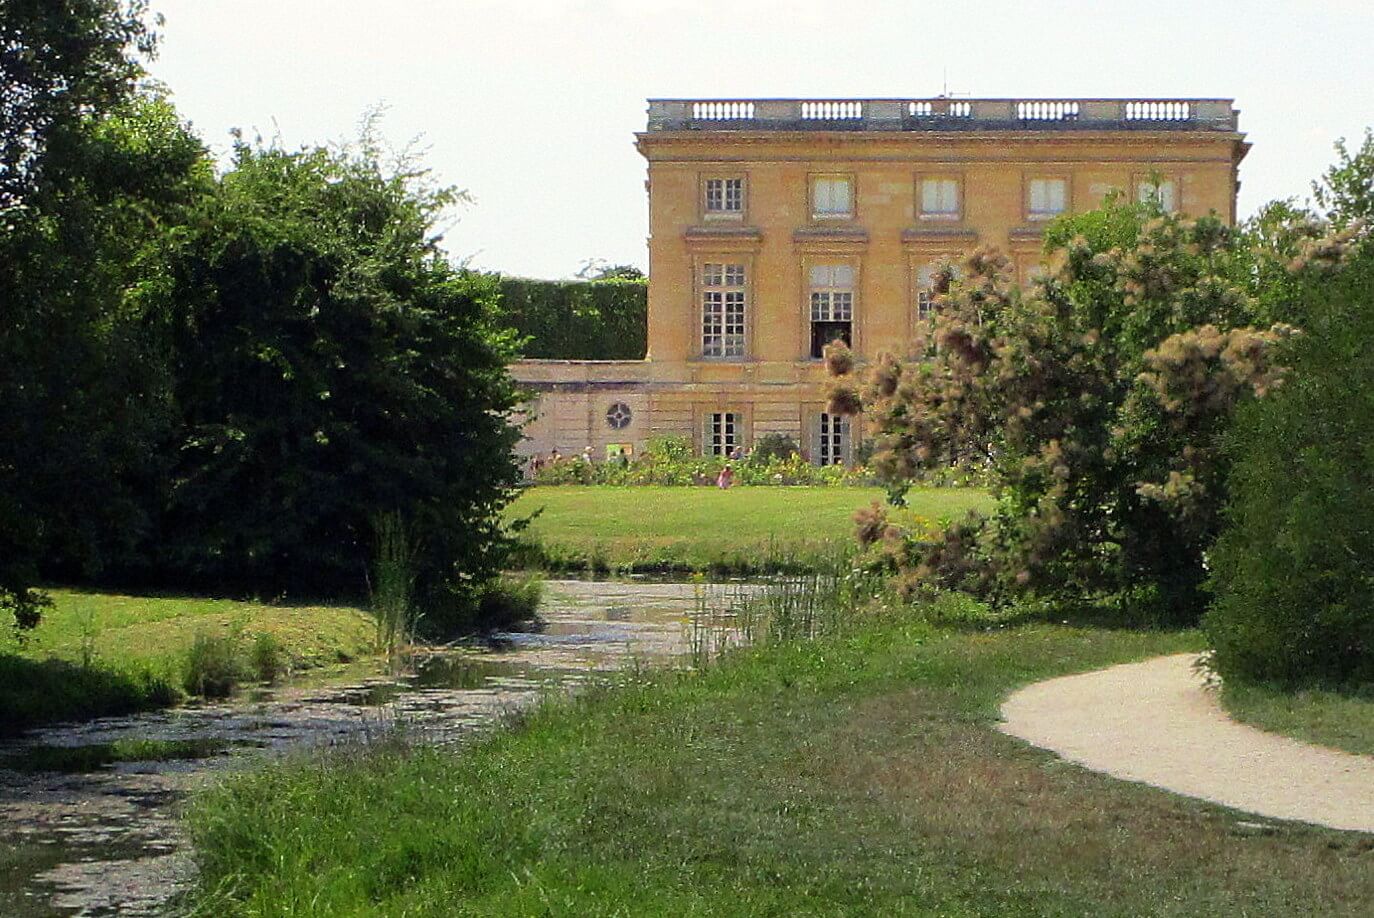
(90, 810)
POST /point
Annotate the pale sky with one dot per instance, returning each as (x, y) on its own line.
(531, 105)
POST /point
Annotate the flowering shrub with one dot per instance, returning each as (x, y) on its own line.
(670, 461)
(1096, 396)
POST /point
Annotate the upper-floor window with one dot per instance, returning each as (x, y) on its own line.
(832, 196)
(832, 306)
(925, 289)
(1046, 197)
(723, 295)
(724, 197)
(939, 199)
(1163, 191)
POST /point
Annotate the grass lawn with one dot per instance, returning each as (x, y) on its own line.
(1326, 718)
(741, 530)
(852, 775)
(139, 644)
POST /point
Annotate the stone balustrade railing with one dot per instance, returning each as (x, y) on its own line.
(942, 114)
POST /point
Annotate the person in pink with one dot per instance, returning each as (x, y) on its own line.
(726, 477)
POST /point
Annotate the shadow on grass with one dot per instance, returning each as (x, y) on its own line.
(35, 692)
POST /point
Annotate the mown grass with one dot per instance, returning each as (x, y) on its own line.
(855, 774)
(742, 530)
(97, 654)
(1336, 719)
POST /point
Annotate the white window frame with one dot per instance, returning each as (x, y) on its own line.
(925, 287)
(832, 292)
(718, 193)
(723, 433)
(1046, 182)
(832, 439)
(823, 187)
(945, 186)
(831, 295)
(724, 310)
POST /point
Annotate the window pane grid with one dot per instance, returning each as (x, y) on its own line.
(833, 432)
(725, 195)
(723, 433)
(722, 310)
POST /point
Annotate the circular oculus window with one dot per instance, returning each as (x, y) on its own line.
(618, 416)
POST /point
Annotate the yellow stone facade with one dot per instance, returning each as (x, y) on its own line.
(767, 215)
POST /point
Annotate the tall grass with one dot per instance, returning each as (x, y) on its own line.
(216, 664)
(793, 608)
(393, 585)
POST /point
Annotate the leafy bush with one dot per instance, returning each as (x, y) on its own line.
(774, 446)
(268, 657)
(34, 692)
(508, 601)
(216, 664)
(1293, 573)
(501, 603)
(578, 320)
(1095, 397)
(331, 364)
(669, 460)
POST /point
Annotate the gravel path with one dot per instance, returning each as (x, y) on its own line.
(1156, 722)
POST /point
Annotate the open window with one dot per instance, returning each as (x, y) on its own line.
(832, 306)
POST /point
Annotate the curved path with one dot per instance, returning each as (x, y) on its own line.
(1156, 722)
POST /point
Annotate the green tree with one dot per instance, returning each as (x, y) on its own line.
(1294, 567)
(60, 60)
(91, 171)
(1096, 398)
(332, 366)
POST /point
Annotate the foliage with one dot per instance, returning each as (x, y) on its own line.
(1293, 572)
(83, 382)
(1346, 190)
(35, 692)
(600, 269)
(652, 468)
(604, 319)
(60, 60)
(329, 365)
(216, 664)
(1096, 398)
(773, 446)
(507, 602)
(90, 171)
(268, 658)
(393, 584)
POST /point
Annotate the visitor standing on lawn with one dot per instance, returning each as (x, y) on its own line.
(726, 477)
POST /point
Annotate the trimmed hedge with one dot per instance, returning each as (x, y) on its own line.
(579, 320)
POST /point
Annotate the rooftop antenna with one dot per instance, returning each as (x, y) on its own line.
(944, 90)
